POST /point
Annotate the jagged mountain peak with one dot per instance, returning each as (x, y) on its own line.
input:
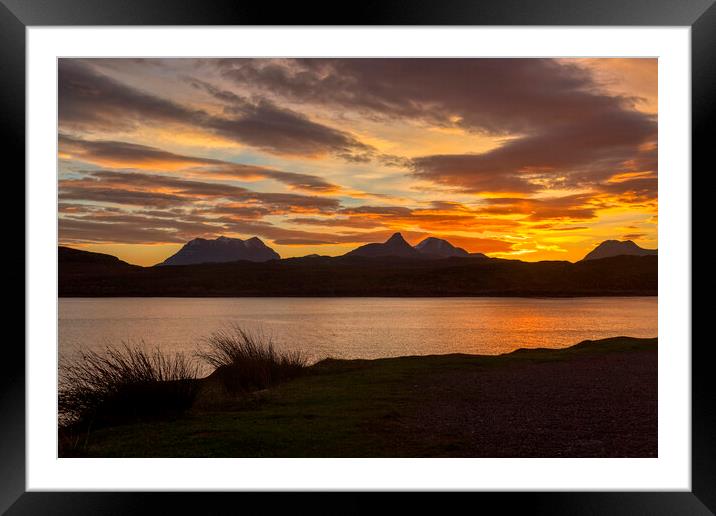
(396, 238)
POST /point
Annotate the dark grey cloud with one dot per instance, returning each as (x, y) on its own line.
(562, 124)
(637, 190)
(116, 154)
(124, 153)
(83, 223)
(336, 222)
(87, 223)
(453, 217)
(493, 95)
(90, 101)
(258, 121)
(553, 227)
(88, 231)
(155, 190)
(571, 156)
(232, 212)
(80, 192)
(378, 210)
(129, 229)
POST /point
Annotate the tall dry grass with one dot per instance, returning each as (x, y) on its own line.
(247, 360)
(123, 382)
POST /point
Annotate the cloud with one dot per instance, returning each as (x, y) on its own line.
(91, 101)
(115, 154)
(86, 224)
(143, 189)
(502, 96)
(336, 222)
(96, 226)
(471, 173)
(553, 227)
(560, 156)
(442, 217)
(642, 190)
(580, 207)
(402, 211)
(234, 211)
(562, 125)
(81, 192)
(263, 124)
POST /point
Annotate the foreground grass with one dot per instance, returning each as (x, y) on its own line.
(125, 382)
(526, 403)
(244, 361)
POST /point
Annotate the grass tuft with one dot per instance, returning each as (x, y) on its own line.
(246, 360)
(124, 383)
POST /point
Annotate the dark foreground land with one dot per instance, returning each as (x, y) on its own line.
(595, 399)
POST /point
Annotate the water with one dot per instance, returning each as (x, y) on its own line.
(356, 327)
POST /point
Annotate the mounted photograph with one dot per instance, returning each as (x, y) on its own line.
(357, 257)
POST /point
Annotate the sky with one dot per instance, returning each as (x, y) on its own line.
(531, 159)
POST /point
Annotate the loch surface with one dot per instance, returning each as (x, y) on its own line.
(356, 327)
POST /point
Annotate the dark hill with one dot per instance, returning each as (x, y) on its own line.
(94, 273)
(363, 276)
(78, 260)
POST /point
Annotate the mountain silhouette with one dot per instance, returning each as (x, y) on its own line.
(394, 246)
(87, 274)
(610, 248)
(222, 250)
(83, 261)
(439, 248)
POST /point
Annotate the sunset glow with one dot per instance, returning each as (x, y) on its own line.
(533, 159)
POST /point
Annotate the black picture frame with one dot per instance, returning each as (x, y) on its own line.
(17, 15)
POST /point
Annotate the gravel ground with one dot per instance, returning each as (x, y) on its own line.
(600, 405)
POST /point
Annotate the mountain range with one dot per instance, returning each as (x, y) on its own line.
(224, 249)
(434, 267)
(396, 245)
